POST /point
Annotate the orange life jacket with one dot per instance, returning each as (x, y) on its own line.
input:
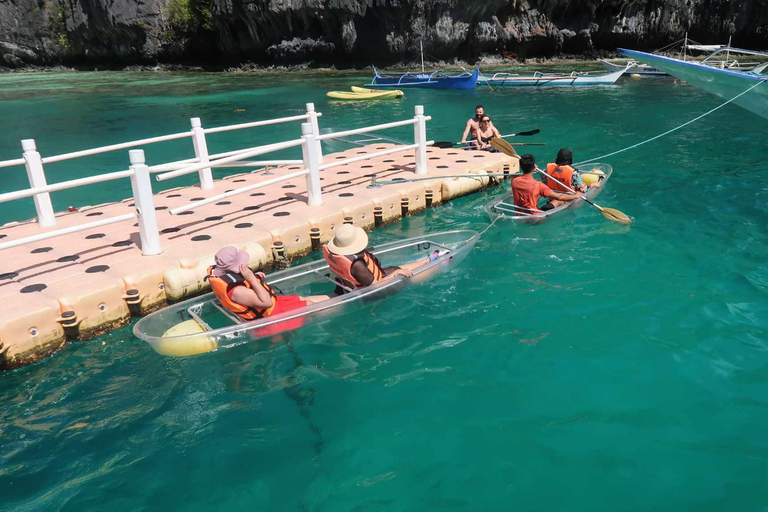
(222, 287)
(342, 266)
(563, 174)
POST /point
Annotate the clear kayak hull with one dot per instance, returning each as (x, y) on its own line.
(200, 324)
(504, 206)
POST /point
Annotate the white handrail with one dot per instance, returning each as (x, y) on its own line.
(234, 158)
(374, 128)
(396, 149)
(11, 163)
(10, 196)
(66, 231)
(260, 163)
(114, 147)
(254, 124)
(241, 190)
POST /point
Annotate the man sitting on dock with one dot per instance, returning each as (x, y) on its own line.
(473, 124)
(527, 190)
(355, 267)
(245, 293)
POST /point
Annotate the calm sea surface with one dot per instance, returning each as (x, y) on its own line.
(575, 365)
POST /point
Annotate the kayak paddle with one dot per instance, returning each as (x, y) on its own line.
(446, 145)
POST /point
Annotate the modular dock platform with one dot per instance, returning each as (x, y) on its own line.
(80, 285)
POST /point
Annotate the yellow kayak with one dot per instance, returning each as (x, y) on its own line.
(359, 93)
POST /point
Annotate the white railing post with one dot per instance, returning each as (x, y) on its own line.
(315, 129)
(34, 164)
(311, 163)
(145, 204)
(201, 152)
(420, 138)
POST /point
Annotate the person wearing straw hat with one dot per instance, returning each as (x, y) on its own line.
(354, 266)
(247, 294)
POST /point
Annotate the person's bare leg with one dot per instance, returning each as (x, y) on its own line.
(416, 264)
(314, 299)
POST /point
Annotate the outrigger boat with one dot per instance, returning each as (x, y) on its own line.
(630, 67)
(505, 206)
(434, 80)
(539, 79)
(202, 324)
(714, 75)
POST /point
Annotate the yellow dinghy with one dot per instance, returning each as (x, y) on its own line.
(358, 93)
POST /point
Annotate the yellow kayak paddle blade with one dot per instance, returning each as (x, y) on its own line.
(504, 146)
(615, 215)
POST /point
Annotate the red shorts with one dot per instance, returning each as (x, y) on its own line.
(284, 303)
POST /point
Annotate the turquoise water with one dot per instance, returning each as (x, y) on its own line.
(575, 365)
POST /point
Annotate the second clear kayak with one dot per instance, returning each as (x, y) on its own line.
(201, 324)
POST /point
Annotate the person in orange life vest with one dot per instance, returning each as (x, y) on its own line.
(563, 171)
(245, 293)
(354, 266)
(526, 190)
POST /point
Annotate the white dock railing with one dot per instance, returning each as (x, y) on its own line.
(141, 185)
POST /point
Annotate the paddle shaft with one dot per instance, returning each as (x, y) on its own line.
(566, 186)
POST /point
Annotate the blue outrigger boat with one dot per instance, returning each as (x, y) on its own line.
(434, 80)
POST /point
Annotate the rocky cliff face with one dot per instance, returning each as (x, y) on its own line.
(355, 32)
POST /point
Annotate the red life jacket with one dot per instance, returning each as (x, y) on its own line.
(342, 266)
(563, 174)
(223, 286)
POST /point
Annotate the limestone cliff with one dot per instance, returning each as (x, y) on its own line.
(355, 32)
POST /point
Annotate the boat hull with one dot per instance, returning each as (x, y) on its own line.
(166, 331)
(724, 83)
(642, 69)
(550, 79)
(502, 206)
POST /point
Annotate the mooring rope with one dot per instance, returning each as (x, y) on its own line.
(490, 225)
(673, 129)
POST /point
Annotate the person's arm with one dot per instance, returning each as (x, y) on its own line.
(564, 197)
(479, 139)
(466, 132)
(495, 131)
(257, 296)
(361, 273)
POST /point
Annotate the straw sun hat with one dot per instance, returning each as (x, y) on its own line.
(348, 240)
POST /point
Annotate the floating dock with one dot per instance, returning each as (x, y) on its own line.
(82, 284)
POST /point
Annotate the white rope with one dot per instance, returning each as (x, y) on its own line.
(672, 130)
(490, 225)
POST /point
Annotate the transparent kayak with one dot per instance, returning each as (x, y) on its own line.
(201, 324)
(504, 206)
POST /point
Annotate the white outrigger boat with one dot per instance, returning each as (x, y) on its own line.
(718, 75)
(505, 207)
(539, 79)
(202, 324)
(630, 67)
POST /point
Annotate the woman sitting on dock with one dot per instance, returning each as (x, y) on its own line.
(245, 293)
(485, 132)
(354, 266)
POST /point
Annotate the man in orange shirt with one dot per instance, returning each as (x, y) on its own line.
(526, 189)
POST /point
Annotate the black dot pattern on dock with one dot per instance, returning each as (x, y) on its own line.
(96, 269)
(95, 236)
(223, 203)
(257, 194)
(71, 257)
(188, 212)
(281, 214)
(243, 225)
(174, 195)
(346, 194)
(201, 238)
(250, 208)
(213, 218)
(94, 214)
(41, 249)
(8, 275)
(34, 288)
(170, 230)
(122, 243)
